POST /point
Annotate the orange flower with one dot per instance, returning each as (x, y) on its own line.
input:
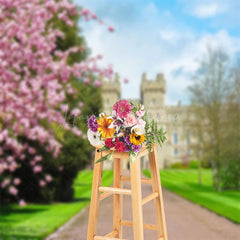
(103, 128)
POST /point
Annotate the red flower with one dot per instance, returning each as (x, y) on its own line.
(109, 143)
(120, 147)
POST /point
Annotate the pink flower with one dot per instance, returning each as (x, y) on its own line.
(76, 131)
(97, 83)
(86, 80)
(38, 158)
(32, 150)
(75, 112)
(122, 108)
(5, 182)
(141, 122)
(48, 178)
(37, 169)
(16, 181)
(130, 120)
(13, 190)
(80, 104)
(22, 203)
(140, 113)
(42, 183)
(125, 80)
(111, 29)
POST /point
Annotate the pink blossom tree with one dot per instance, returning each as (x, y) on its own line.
(35, 80)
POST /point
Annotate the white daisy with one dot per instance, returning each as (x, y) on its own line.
(94, 138)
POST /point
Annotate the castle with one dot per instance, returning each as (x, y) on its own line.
(171, 118)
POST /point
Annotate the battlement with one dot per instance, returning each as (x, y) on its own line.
(159, 84)
(112, 84)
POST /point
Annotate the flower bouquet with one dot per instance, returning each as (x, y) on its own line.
(126, 130)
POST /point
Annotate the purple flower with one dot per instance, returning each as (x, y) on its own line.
(126, 148)
(136, 148)
(92, 124)
(127, 140)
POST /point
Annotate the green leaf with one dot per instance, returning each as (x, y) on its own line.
(104, 148)
(106, 157)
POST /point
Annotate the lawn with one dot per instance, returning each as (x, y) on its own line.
(185, 184)
(36, 221)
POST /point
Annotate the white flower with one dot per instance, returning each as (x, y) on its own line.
(138, 129)
(94, 138)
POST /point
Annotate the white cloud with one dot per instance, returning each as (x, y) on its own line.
(208, 10)
(152, 45)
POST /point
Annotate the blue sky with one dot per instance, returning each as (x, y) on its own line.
(167, 36)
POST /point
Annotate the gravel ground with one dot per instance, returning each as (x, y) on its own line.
(185, 221)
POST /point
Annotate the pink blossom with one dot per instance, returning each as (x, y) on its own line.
(140, 113)
(42, 183)
(13, 190)
(17, 181)
(80, 104)
(86, 80)
(22, 203)
(38, 158)
(97, 83)
(111, 29)
(125, 80)
(122, 108)
(48, 178)
(76, 131)
(32, 150)
(37, 169)
(130, 120)
(5, 182)
(75, 112)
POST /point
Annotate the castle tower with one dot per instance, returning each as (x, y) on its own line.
(111, 93)
(153, 91)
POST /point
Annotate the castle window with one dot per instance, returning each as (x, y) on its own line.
(189, 152)
(175, 138)
(154, 101)
(107, 102)
(175, 152)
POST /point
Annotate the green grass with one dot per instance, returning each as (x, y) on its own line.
(36, 221)
(185, 184)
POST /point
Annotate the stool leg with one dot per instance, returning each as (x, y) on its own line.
(95, 197)
(117, 198)
(156, 185)
(136, 199)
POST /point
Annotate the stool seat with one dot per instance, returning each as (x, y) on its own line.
(100, 192)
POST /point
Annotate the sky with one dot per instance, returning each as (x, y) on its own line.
(161, 36)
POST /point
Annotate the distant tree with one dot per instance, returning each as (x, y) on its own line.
(209, 94)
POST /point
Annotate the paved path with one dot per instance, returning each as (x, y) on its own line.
(185, 221)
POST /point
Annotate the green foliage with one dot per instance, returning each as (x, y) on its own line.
(193, 164)
(153, 134)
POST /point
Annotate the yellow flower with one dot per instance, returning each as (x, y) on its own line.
(137, 139)
(103, 128)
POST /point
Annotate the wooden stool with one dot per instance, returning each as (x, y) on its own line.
(99, 193)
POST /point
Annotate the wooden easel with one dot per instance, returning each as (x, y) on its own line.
(99, 193)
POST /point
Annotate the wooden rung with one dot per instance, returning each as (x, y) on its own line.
(143, 180)
(115, 190)
(146, 226)
(111, 234)
(149, 198)
(105, 195)
(161, 238)
(107, 238)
